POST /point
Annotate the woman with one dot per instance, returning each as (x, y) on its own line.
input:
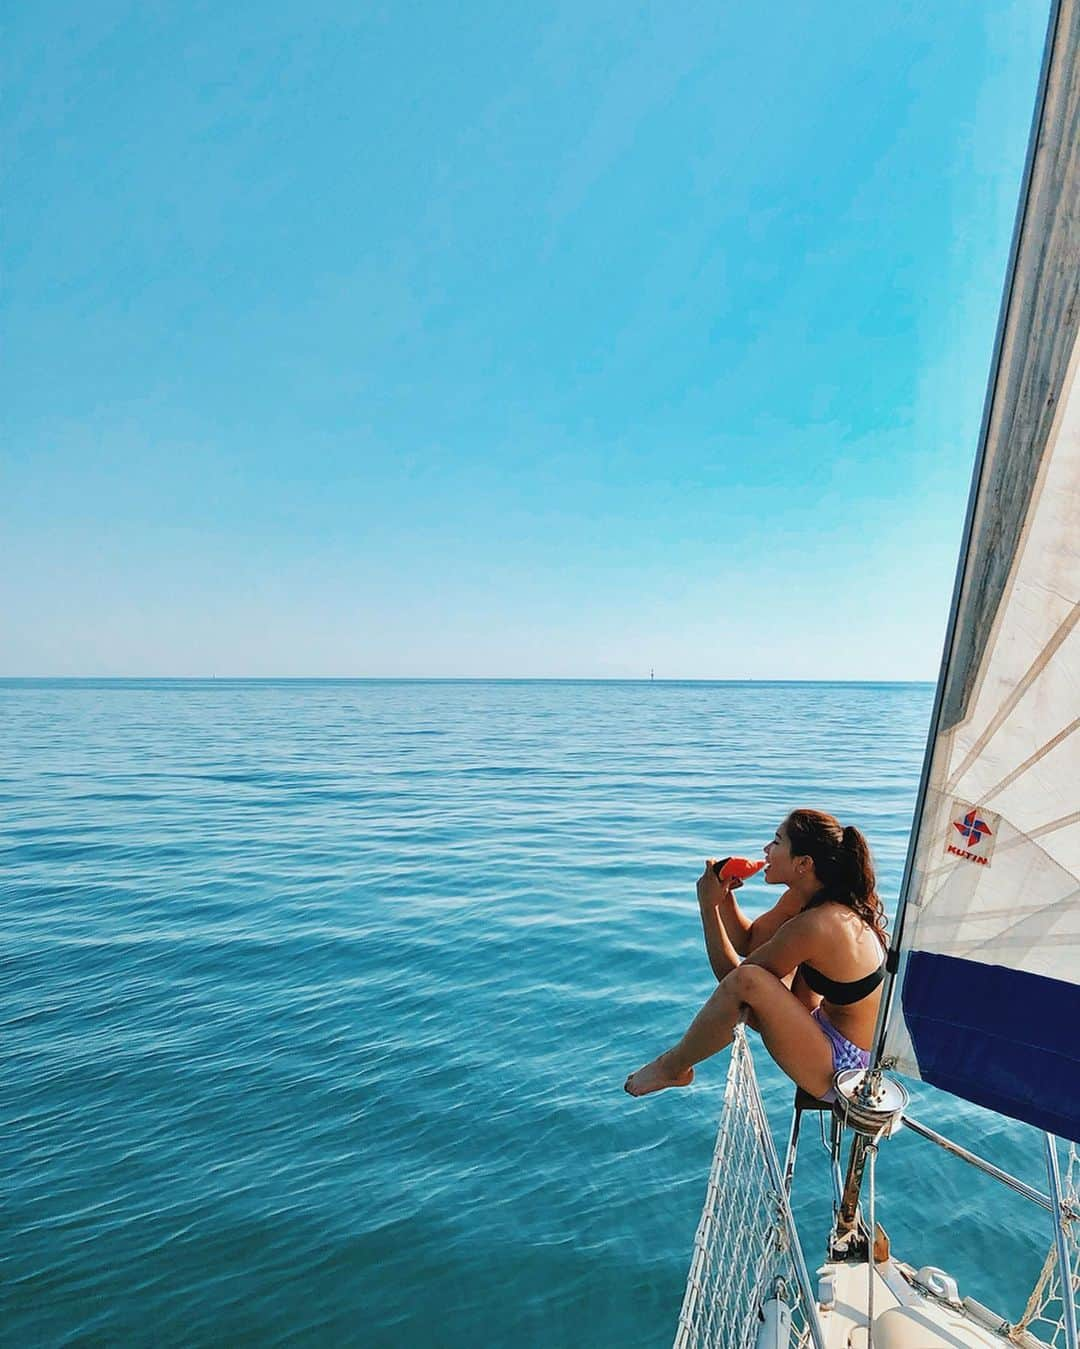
(826, 937)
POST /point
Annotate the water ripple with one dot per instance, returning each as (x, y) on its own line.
(319, 998)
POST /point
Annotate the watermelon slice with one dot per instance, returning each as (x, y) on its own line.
(736, 869)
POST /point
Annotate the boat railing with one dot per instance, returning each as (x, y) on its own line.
(1052, 1304)
(1019, 1186)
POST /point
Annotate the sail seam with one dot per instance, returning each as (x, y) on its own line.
(948, 868)
(985, 1034)
(1029, 762)
(1009, 705)
(996, 941)
(1074, 818)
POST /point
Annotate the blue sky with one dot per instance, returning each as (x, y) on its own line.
(513, 340)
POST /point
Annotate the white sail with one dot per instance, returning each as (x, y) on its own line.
(986, 1000)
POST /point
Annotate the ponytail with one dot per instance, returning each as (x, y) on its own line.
(842, 863)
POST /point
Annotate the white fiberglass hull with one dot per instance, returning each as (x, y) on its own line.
(905, 1315)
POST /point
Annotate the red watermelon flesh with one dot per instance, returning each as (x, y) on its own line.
(737, 869)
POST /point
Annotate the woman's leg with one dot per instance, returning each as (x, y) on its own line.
(791, 1035)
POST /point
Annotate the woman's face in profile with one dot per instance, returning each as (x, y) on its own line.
(778, 870)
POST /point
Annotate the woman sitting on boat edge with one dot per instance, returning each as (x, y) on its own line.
(825, 936)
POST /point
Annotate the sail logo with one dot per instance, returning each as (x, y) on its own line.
(972, 827)
(972, 834)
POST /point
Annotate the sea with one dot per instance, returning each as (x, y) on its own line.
(319, 996)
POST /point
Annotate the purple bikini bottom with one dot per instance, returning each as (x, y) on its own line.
(844, 1053)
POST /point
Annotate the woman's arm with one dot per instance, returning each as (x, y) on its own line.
(720, 895)
(799, 939)
(722, 950)
(719, 905)
(805, 993)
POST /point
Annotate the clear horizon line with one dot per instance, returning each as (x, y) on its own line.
(442, 679)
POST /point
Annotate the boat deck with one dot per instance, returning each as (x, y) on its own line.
(905, 1317)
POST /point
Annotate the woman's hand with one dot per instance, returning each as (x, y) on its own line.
(710, 888)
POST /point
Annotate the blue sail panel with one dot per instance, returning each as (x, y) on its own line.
(1000, 1037)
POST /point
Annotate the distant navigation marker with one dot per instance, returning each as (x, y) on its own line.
(652, 674)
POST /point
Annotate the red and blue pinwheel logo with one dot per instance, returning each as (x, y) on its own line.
(973, 828)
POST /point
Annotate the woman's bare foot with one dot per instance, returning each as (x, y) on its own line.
(656, 1076)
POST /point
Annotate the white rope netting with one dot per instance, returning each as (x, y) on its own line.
(742, 1250)
(1044, 1315)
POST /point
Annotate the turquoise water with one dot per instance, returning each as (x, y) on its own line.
(319, 997)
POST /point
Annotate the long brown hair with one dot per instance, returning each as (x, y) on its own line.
(842, 863)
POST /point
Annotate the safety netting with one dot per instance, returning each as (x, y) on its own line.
(1044, 1315)
(745, 1246)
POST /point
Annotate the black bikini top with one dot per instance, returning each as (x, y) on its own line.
(841, 994)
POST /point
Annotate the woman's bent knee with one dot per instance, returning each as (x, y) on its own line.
(750, 979)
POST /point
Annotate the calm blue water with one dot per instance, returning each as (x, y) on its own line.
(319, 997)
